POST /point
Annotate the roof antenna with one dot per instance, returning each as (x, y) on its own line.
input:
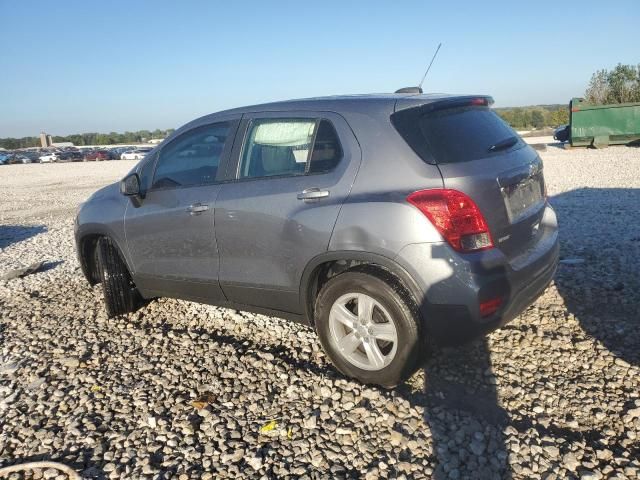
(418, 89)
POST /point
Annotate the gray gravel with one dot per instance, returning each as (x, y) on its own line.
(181, 390)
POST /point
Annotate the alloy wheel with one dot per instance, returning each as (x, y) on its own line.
(362, 331)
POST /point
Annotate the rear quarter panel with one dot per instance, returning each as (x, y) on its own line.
(376, 217)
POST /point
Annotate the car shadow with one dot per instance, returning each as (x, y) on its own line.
(461, 405)
(599, 273)
(598, 279)
(10, 234)
(459, 396)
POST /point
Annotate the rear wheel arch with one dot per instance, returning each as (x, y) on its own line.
(352, 344)
(326, 266)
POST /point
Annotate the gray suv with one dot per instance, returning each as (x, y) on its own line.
(384, 222)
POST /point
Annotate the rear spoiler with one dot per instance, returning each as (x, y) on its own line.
(410, 103)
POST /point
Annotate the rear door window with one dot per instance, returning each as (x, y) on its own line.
(289, 147)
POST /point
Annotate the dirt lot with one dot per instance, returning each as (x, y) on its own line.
(555, 394)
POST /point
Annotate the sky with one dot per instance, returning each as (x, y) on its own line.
(81, 66)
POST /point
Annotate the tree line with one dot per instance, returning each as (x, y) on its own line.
(92, 138)
(537, 116)
(620, 85)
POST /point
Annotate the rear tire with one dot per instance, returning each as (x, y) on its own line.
(120, 294)
(392, 309)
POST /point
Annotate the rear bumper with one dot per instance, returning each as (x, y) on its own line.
(454, 285)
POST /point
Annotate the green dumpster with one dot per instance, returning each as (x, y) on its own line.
(603, 125)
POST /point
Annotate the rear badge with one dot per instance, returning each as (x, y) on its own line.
(504, 239)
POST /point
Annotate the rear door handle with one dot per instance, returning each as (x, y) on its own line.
(197, 208)
(313, 194)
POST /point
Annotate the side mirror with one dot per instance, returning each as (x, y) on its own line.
(130, 185)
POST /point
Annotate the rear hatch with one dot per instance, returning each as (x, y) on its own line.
(479, 154)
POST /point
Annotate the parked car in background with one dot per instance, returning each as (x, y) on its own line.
(50, 157)
(137, 154)
(365, 217)
(561, 133)
(4, 157)
(97, 155)
(19, 158)
(70, 156)
(118, 151)
(32, 155)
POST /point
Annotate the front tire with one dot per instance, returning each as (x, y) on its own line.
(120, 294)
(369, 327)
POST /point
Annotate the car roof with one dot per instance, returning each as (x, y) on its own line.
(339, 103)
(367, 104)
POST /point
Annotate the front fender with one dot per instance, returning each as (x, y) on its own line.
(102, 215)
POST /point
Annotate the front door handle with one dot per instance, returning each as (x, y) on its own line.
(313, 194)
(197, 208)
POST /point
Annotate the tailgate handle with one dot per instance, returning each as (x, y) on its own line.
(519, 174)
(313, 194)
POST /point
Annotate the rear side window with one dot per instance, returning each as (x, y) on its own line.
(327, 151)
(192, 158)
(457, 134)
(286, 147)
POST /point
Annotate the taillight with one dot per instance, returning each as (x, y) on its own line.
(455, 216)
(489, 307)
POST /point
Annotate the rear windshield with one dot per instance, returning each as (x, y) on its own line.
(456, 134)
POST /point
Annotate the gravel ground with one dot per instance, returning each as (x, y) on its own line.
(181, 390)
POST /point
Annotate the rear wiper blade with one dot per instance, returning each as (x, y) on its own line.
(503, 144)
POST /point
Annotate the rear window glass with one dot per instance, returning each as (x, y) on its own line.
(459, 134)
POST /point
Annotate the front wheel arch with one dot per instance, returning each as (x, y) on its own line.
(87, 249)
(120, 293)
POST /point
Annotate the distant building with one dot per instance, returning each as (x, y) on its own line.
(46, 140)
